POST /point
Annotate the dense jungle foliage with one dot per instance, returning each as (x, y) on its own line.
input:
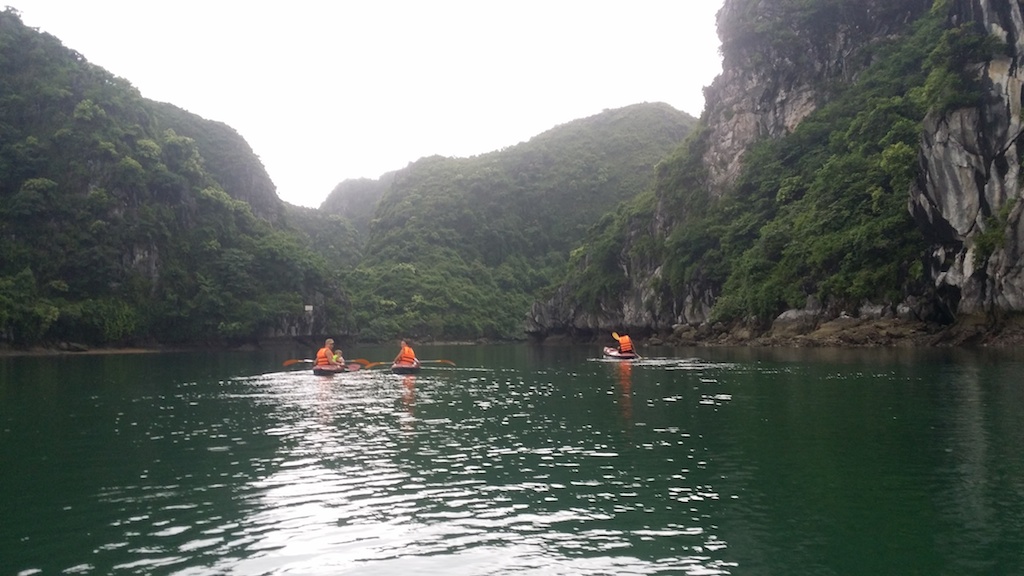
(121, 219)
(459, 247)
(127, 221)
(821, 212)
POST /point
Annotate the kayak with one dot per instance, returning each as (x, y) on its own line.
(610, 352)
(405, 368)
(332, 370)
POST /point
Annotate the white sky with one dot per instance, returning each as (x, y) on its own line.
(326, 90)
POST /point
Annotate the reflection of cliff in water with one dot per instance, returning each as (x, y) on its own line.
(978, 466)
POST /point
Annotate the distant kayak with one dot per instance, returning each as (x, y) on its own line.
(405, 368)
(610, 352)
(332, 370)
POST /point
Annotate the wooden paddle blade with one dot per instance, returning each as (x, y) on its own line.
(362, 362)
(441, 361)
(615, 335)
(373, 365)
(295, 361)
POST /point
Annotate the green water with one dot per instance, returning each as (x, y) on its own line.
(520, 460)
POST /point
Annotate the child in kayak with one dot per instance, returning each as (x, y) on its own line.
(326, 355)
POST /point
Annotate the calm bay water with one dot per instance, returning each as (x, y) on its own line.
(520, 460)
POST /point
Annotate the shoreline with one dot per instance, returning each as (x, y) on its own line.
(851, 333)
(40, 351)
(846, 332)
(72, 349)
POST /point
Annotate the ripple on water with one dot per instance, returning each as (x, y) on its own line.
(372, 474)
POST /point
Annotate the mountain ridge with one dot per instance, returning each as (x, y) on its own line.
(130, 222)
(829, 120)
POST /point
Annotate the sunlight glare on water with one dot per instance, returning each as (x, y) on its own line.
(393, 474)
(518, 460)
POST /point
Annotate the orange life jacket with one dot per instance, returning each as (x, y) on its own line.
(406, 356)
(323, 356)
(625, 344)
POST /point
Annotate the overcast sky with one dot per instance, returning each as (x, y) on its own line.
(326, 90)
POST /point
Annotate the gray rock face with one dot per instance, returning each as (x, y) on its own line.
(773, 71)
(967, 200)
(760, 93)
(968, 196)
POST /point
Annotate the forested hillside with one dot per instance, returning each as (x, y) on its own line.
(457, 248)
(128, 221)
(356, 201)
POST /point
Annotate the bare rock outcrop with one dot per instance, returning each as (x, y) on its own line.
(967, 199)
(779, 60)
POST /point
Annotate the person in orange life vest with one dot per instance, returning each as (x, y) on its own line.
(406, 355)
(625, 344)
(325, 356)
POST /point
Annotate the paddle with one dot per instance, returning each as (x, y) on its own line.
(441, 361)
(363, 362)
(354, 365)
(369, 365)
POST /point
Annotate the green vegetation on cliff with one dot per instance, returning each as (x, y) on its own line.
(128, 221)
(820, 212)
(459, 247)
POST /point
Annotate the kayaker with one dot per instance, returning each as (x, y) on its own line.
(326, 355)
(406, 355)
(625, 344)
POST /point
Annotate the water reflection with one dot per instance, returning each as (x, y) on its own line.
(493, 470)
(534, 463)
(625, 391)
(409, 402)
(978, 467)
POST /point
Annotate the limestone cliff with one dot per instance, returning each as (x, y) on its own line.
(783, 60)
(967, 196)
